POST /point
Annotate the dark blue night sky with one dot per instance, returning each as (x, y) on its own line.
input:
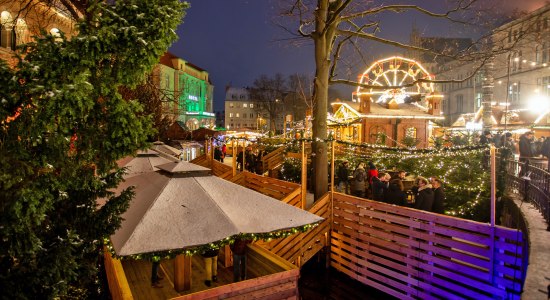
(236, 40)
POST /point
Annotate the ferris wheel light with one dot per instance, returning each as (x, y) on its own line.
(395, 78)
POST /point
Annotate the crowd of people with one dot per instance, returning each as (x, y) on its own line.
(426, 194)
(250, 160)
(527, 146)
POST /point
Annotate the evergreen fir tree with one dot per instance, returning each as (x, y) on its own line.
(63, 126)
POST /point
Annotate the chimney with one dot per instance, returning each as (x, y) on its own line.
(364, 104)
(434, 104)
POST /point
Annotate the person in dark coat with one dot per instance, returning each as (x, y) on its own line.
(218, 154)
(239, 258)
(424, 199)
(439, 196)
(486, 138)
(342, 178)
(395, 194)
(525, 151)
(358, 183)
(155, 276)
(379, 186)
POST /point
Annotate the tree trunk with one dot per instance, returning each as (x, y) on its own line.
(323, 40)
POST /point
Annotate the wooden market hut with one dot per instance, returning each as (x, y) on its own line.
(366, 122)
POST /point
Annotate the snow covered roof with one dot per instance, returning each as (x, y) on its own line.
(173, 212)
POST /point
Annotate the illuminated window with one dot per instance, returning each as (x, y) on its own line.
(251, 105)
(544, 85)
(410, 132)
(237, 115)
(245, 105)
(513, 91)
(231, 115)
(231, 104)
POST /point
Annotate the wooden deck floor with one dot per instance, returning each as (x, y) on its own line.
(138, 273)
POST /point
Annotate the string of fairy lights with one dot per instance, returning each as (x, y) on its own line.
(189, 251)
(384, 156)
(449, 160)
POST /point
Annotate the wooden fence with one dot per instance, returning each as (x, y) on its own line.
(218, 169)
(273, 160)
(275, 279)
(299, 248)
(278, 189)
(412, 254)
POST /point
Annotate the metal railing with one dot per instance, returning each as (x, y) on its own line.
(530, 181)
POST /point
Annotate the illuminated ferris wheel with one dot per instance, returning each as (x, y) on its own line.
(394, 79)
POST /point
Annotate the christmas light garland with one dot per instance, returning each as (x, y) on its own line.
(169, 254)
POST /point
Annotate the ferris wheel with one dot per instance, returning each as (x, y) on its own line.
(394, 79)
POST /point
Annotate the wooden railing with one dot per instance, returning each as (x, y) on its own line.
(273, 160)
(299, 248)
(218, 169)
(275, 278)
(278, 189)
(412, 254)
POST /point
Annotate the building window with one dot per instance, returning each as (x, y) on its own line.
(513, 91)
(231, 115)
(516, 60)
(237, 115)
(410, 132)
(245, 105)
(231, 104)
(478, 100)
(251, 105)
(544, 85)
(459, 103)
(545, 51)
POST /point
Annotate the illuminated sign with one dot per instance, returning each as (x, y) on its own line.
(192, 97)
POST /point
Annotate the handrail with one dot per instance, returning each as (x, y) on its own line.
(531, 182)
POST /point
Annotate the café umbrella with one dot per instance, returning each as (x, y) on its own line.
(183, 206)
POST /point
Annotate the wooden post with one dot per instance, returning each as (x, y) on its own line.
(304, 175)
(234, 153)
(327, 263)
(332, 169)
(493, 210)
(493, 186)
(182, 273)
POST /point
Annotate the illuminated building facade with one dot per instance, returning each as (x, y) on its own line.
(395, 111)
(521, 92)
(19, 22)
(189, 91)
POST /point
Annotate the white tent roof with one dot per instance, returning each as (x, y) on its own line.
(172, 212)
(144, 161)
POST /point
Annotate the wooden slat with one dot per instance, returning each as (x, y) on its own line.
(401, 249)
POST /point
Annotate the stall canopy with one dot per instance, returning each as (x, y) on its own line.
(143, 162)
(183, 206)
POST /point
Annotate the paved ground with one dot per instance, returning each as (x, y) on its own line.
(537, 282)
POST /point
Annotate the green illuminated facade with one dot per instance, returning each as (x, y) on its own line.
(190, 90)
